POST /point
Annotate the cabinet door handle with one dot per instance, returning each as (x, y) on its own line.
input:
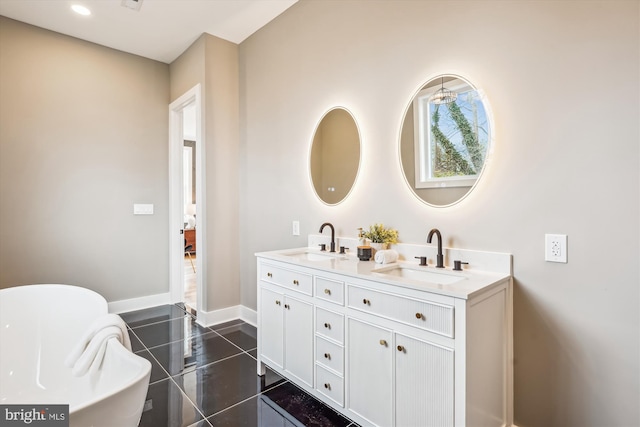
(401, 348)
(327, 291)
(269, 275)
(295, 282)
(366, 302)
(286, 306)
(277, 302)
(383, 342)
(327, 356)
(419, 316)
(327, 325)
(327, 386)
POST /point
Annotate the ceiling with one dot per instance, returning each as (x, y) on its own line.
(160, 30)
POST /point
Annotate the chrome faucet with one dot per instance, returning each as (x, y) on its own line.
(440, 257)
(333, 235)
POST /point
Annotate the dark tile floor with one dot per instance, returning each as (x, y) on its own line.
(207, 376)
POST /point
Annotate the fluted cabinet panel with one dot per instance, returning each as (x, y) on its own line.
(424, 383)
(370, 372)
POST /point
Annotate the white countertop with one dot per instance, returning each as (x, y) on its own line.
(472, 281)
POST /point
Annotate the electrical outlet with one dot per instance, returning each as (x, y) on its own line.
(555, 248)
(295, 228)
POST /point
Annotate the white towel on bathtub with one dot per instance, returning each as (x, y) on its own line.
(88, 353)
(386, 256)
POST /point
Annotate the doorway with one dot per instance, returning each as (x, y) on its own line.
(186, 199)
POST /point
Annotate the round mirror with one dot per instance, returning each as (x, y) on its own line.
(445, 139)
(335, 156)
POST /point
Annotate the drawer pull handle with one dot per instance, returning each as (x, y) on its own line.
(366, 302)
(401, 348)
(327, 325)
(327, 386)
(269, 275)
(419, 316)
(327, 356)
(295, 282)
(287, 306)
(327, 291)
(277, 302)
(383, 342)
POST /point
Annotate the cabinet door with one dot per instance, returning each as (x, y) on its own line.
(271, 331)
(424, 383)
(369, 372)
(298, 339)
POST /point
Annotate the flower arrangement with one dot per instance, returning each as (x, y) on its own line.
(378, 233)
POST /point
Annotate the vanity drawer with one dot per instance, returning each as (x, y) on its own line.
(290, 279)
(330, 355)
(426, 315)
(330, 324)
(329, 290)
(330, 384)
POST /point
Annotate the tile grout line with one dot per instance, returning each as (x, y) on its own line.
(172, 380)
(189, 400)
(178, 340)
(184, 314)
(228, 340)
(160, 321)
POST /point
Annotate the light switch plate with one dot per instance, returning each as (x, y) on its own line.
(555, 248)
(295, 228)
(143, 209)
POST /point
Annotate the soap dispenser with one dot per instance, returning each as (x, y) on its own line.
(362, 241)
(364, 250)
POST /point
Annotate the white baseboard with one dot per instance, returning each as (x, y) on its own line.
(205, 318)
(248, 315)
(126, 305)
(210, 318)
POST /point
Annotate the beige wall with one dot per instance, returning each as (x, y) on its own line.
(83, 137)
(213, 63)
(562, 79)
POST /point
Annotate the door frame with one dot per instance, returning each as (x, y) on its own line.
(176, 199)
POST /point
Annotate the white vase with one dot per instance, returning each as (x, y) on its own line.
(379, 246)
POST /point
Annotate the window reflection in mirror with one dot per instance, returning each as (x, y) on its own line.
(443, 146)
(335, 156)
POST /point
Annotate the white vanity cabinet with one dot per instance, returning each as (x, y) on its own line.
(424, 377)
(385, 353)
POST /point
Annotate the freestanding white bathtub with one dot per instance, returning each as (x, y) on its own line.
(39, 326)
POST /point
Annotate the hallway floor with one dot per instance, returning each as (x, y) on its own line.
(190, 280)
(207, 376)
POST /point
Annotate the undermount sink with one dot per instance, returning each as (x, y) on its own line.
(421, 274)
(310, 255)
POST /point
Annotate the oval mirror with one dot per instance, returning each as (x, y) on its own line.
(445, 139)
(335, 156)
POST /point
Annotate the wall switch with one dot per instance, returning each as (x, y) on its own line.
(295, 228)
(555, 248)
(142, 209)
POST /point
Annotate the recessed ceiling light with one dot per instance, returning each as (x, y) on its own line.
(78, 8)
